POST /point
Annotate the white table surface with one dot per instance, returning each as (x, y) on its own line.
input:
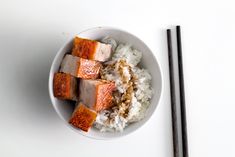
(31, 32)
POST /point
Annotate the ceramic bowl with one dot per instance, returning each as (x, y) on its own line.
(65, 108)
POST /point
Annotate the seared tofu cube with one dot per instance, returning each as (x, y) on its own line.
(83, 117)
(91, 49)
(65, 86)
(79, 67)
(96, 94)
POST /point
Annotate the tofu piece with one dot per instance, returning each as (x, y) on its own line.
(91, 49)
(96, 94)
(83, 117)
(79, 67)
(65, 86)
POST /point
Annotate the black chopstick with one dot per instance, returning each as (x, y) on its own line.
(182, 94)
(173, 96)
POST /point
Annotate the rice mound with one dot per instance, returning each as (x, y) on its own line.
(133, 94)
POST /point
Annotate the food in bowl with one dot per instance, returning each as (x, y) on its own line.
(80, 68)
(111, 91)
(83, 117)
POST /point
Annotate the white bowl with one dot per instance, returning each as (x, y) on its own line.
(64, 108)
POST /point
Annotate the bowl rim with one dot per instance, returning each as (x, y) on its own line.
(50, 86)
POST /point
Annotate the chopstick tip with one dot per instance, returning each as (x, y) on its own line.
(178, 27)
(168, 31)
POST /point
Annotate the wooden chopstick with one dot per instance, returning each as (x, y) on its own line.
(173, 96)
(182, 94)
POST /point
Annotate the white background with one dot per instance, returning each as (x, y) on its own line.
(31, 32)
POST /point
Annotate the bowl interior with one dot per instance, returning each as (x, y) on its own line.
(148, 61)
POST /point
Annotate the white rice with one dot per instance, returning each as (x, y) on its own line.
(125, 51)
(143, 94)
(111, 120)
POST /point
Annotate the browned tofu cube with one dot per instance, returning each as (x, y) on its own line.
(96, 94)
(83, 117)
(79, 67)
(65, 86)
(91, 49)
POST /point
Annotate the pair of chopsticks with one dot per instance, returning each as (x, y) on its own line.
(173, 94)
